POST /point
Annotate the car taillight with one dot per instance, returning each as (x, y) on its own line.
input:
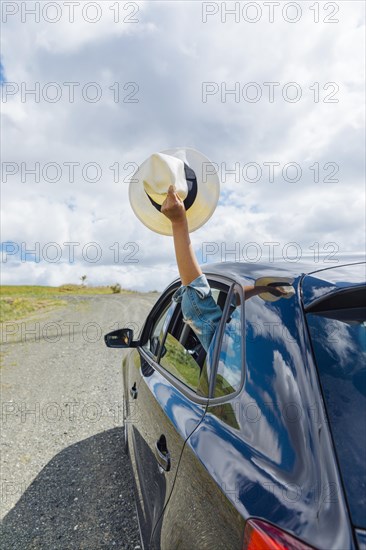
(260, 535)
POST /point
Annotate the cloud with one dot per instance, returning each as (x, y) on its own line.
(162, 61)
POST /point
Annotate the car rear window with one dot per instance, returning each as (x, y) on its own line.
(339, 343)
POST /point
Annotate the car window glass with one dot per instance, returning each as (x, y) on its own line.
(158, 331)
(179, 362)
(230, 361)
(339, 344)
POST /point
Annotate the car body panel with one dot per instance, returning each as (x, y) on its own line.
(361, 539)
(159, 409)
(326, 281)
(267, 452)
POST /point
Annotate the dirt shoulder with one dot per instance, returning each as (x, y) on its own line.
(65, 480)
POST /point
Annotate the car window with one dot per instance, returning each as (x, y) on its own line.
(339, 343)
(157, 334)
(179, 361)
(230, 361)
(182, 353)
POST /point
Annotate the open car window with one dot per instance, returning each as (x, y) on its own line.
(182, 353)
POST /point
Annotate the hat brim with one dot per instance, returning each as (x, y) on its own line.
(208, 192)
(267, 296)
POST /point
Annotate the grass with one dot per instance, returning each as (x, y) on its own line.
(17, 302)
(180, 363)
(15, 308)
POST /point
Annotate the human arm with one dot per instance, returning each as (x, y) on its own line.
(173, 208)
(252, 290)
(199, 309)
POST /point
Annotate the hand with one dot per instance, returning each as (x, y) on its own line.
(173, 207)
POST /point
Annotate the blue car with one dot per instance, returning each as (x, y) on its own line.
(260, 442)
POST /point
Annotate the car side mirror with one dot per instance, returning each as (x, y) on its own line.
(121, 338)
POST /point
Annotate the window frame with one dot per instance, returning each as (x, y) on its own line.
(222, 283)
(215, 361)
(174, 320)
(167, 322)
(156, 312)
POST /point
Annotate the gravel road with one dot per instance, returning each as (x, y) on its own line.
(65, 481)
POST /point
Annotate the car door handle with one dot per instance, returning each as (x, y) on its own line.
(133, 391)
(162, 454)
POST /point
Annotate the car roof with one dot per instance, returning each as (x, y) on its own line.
(317, 279)
(287, 268)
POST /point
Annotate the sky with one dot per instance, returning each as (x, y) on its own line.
(271, 92)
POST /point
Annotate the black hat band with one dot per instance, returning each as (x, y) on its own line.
(192, 189)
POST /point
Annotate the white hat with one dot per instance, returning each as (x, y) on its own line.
(194, 177)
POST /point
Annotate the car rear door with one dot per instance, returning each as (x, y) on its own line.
(164, 406)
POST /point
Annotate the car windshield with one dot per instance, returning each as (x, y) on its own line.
(339, 342)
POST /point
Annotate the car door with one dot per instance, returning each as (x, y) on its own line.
(164, 406)
(199, 514)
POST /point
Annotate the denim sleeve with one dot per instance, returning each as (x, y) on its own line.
(199, 309)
